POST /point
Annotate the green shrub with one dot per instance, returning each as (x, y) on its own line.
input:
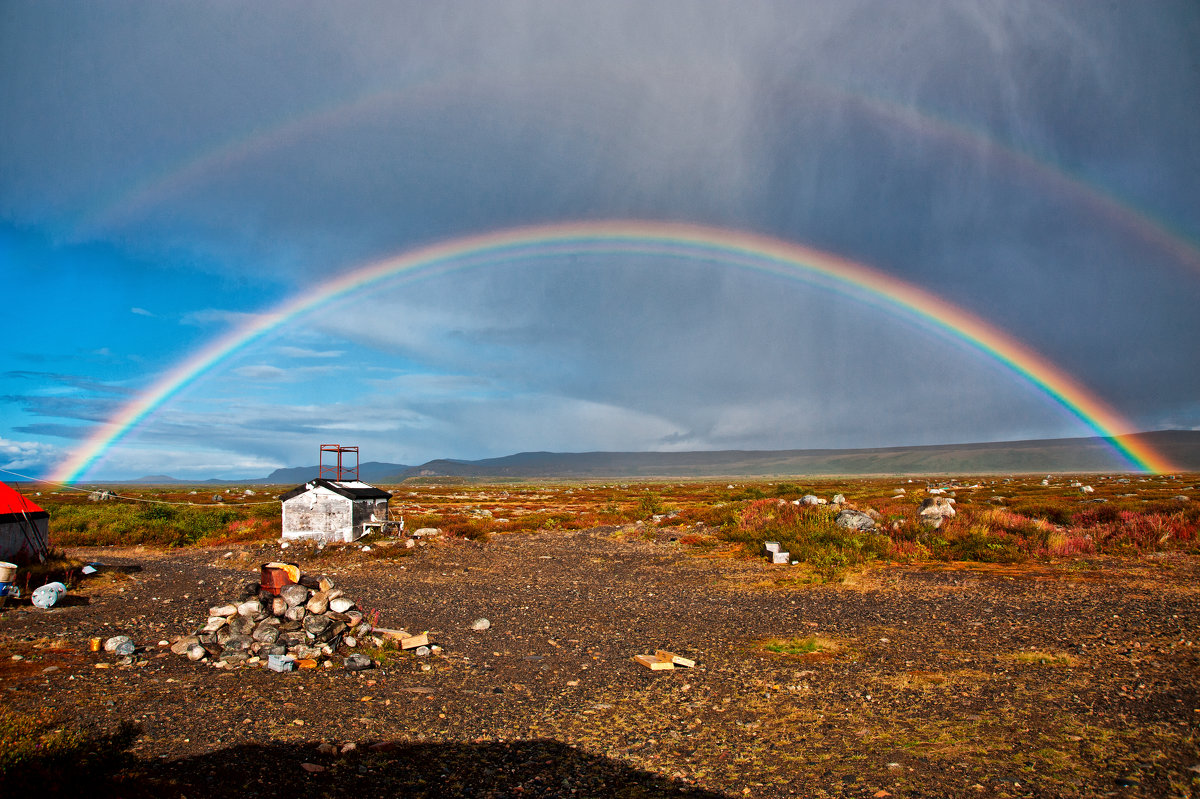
(1054, 513)
(809, 533)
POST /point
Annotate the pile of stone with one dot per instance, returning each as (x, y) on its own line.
(308, 622)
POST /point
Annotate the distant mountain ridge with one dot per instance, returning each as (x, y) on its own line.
(1181, 447)
(369, 472)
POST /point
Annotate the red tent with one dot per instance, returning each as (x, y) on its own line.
(24, 526)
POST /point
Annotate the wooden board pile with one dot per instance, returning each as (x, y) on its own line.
(662, 660)
(308, 622)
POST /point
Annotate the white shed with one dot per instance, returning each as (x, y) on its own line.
(333, 510)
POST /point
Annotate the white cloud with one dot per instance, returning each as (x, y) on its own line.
(261, 371)
(275, 374)
(25, 456)
(140, 312)
(216, 316)
(301, 352)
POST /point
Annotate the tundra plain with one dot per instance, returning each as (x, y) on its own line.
(1040, 642)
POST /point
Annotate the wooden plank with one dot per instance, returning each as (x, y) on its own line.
(653, 663)
(677, 660)
(414, 641)
(401, 634)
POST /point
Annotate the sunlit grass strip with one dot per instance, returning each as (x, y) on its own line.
(1045, 658)
(801, 646)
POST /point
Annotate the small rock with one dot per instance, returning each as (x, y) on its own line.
(294, 594)
(327, 749)
(349, 747)
(316, 625)
(340, 604)
(215, 623)
(319, 603)
(358, 662)
(479, 625)
(311, 768)
(250, 608)
(119, 644)
(421, 651)
(228, 609)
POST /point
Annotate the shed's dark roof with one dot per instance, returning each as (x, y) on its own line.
(354, 490)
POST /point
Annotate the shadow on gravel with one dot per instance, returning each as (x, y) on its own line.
(541, 768)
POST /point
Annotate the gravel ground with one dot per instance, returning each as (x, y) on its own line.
(1071, 679)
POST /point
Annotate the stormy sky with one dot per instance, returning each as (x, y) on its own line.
(168, 170)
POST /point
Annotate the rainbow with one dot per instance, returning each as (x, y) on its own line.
(1075, 189)
(625, 238)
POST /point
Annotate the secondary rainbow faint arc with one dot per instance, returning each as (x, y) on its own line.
(754, 251)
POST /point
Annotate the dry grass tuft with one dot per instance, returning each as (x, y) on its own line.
(1045, 658)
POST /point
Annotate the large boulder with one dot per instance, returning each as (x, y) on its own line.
(854, 520)
(935, 510)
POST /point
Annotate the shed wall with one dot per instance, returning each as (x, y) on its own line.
(319, 515)
(13, 545)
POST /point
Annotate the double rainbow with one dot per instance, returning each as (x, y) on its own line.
(625, 238)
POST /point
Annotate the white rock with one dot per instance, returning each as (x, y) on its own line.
(340, 604)
(480, 625)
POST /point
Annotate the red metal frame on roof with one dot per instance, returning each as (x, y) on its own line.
(338, 472)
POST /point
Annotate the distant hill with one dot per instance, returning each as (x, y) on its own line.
(1181, 447)
(371, 472)
(1008, 457)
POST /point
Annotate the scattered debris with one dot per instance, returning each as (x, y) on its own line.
(662, 660)
(678, 660)
(653, 663)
